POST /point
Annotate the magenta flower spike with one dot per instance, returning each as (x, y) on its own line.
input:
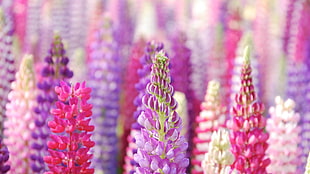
(128, 108)
(248, 137)
(70, 141)
(284, 138)
(161, 148)
(20, 118)
(210, 119)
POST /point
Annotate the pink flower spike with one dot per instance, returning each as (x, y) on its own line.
(20, 118)
(70, 142)
(284, 137)
(248, 137)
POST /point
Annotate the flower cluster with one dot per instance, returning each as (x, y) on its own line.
(211, 117)
(70, 143)
(20, 117)
(151, 49)
(248, 137)
(161, 148)
(283, 142)
(219, 158)
(53, 72)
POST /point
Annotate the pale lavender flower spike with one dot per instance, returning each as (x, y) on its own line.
(161, 148)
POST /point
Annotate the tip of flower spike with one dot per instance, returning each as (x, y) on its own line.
(246, 55)
(57, 37)
(214, 84)
(160, 57)
(27, 61)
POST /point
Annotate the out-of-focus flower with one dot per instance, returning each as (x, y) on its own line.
(104, 79)
(219, 158)
(211, 117)
(248, 137)
(161, 148)
(20, 118)
(181, 71)
(70, 141)
(7, 68)
(283, 142)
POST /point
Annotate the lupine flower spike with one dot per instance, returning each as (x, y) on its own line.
(161, 148)
(7, 68)
(53, 72)
(144, 74)
(20, 118)
(211, 117)
(70, 141)
(219, 158)
(104, 74)
(248, 137)
(284, 137)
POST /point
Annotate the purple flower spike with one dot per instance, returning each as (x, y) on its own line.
(144, 73)
(104, 74)
(54, 71)
(7, 69)
(161, 148)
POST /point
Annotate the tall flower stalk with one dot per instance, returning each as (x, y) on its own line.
(284, 137)
(7, 68)
(128, 107)
(20, 118)
(181, 71)
(210, 119)
(151, 49)
(248, 137)
(104, 75)
(161, 148)
(219, 157)
(53, 72)
(70, 141)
